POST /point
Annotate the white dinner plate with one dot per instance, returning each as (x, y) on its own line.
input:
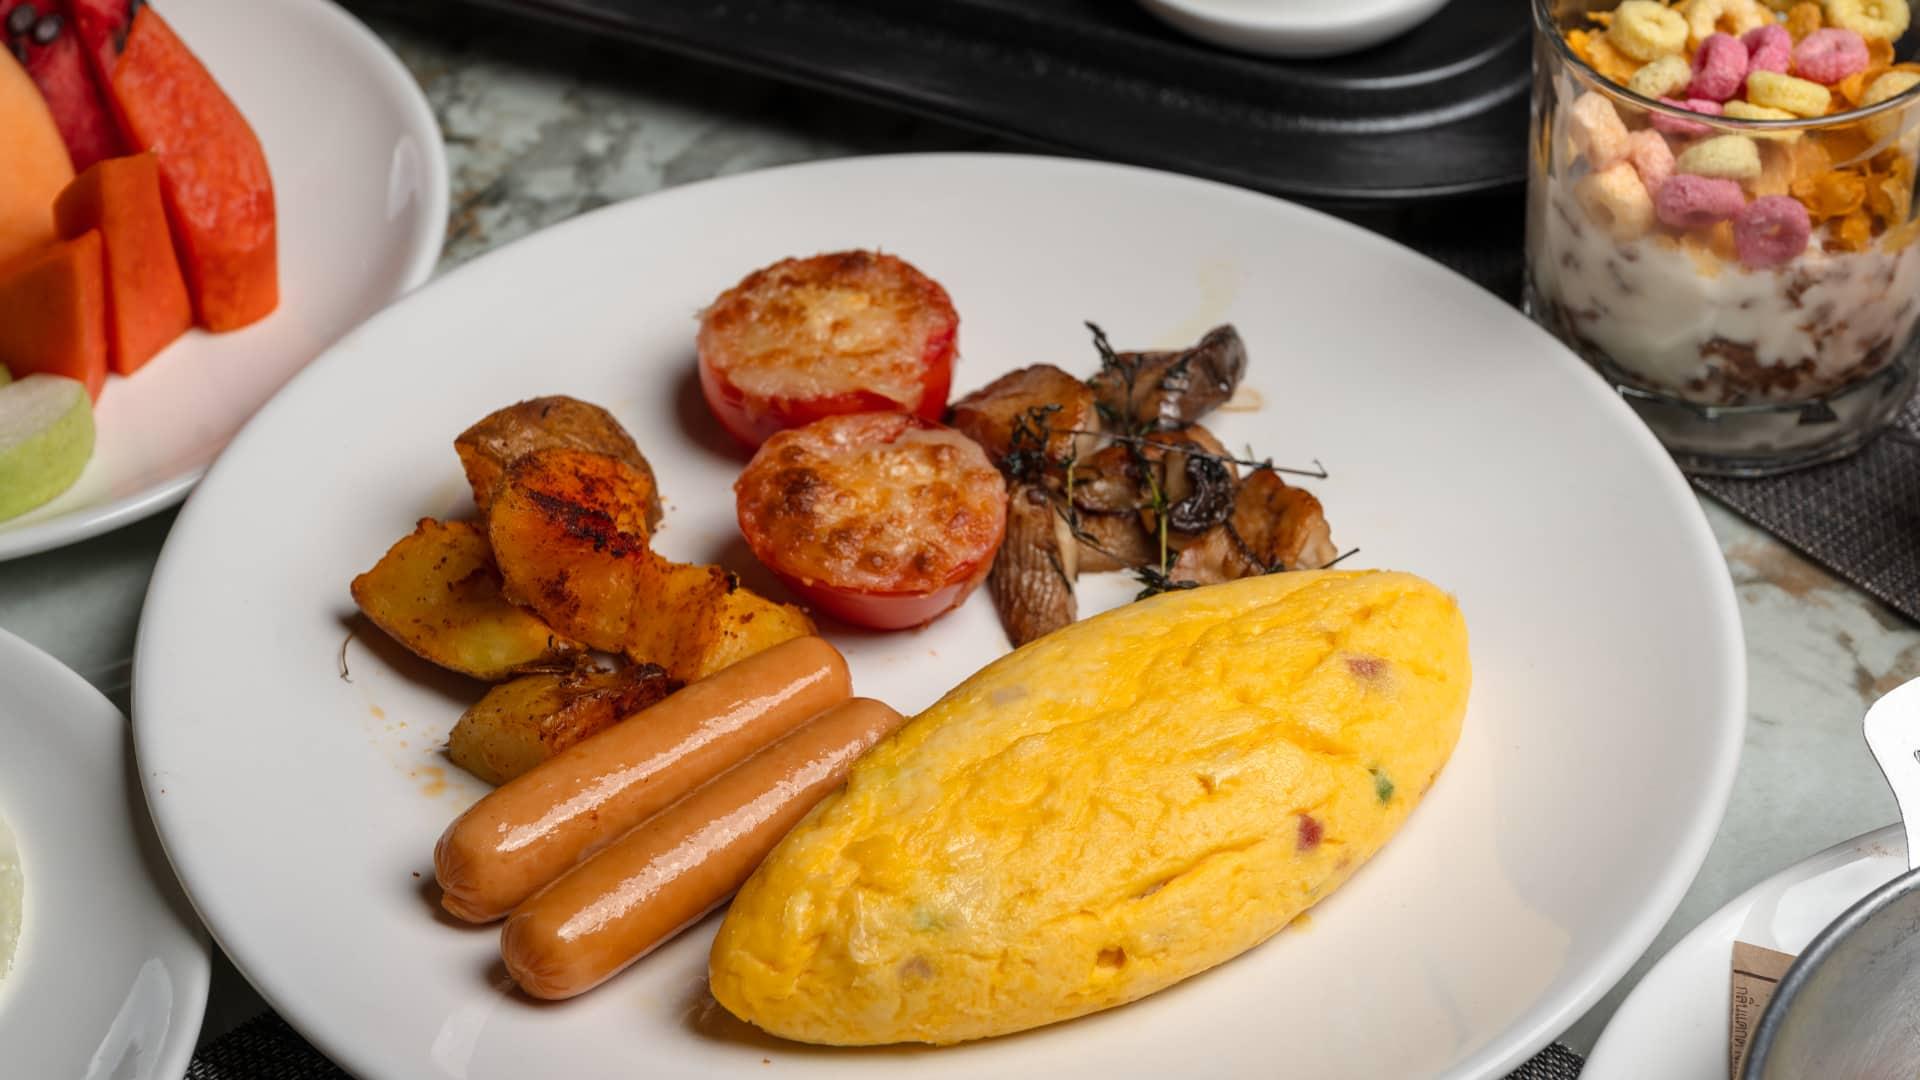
(1294, 28)
(360, 184)
(110, 978)
(1674, 1024)
(301, 804)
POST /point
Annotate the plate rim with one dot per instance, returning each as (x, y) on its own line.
(1532, 1028)
(188, 1014)
(87, 522)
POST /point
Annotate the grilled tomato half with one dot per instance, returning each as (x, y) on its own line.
(850, 332)
(885, 520)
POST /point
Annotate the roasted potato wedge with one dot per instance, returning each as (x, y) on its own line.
(490, 447)
(695, 620)
(438, 593)
(522, 723)
(568, 529)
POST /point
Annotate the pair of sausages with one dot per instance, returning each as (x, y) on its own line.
(613, 846)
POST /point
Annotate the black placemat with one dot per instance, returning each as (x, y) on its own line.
(1556, 1062)
(1436, 112)
(1859, 518)
(265, 1048)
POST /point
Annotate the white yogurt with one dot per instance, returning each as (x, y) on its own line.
(1711, 331)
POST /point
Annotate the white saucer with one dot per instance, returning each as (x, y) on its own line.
(1294, 28)
(110, 980)
(1674, 1024)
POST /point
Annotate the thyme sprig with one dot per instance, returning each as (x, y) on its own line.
(1155, 581)
(1027, 460)
(1156, 502)
(1128, 370)
(1318, 472)
(1338, 559)
(1027, 442)
(1027, 454)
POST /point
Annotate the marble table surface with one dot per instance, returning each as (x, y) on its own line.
(540, 128)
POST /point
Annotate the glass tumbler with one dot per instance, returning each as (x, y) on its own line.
(1748, 281)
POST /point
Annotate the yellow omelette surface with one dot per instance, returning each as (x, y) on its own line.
(1111, 809)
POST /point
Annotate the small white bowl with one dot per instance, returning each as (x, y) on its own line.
(111, 977)
(1294, 28)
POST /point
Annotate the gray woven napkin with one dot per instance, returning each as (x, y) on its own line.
(1859, 518)
(265, 1048)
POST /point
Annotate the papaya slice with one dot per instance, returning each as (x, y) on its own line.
(147, 305)
(47, 46)
(213, 173)
(53, 313)
(37, 163)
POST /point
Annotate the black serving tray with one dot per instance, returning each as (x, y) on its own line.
(1440, 111)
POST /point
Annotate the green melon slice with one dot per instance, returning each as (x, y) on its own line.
(46, 437)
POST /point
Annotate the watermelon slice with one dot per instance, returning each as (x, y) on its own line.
(103, 26)
(213, 172)
(37, 166)
(44, 41)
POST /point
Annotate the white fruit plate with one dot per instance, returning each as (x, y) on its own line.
(360, 179)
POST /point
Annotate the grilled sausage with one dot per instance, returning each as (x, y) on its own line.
(536, 827)
(683, 862)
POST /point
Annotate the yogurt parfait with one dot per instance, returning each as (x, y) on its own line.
(1720, 217)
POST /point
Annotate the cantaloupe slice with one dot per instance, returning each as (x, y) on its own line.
(147, 304)
(37, 166)
(49, 48)
(213, 172)
(53, 313)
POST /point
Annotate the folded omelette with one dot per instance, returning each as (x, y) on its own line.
(1104, 812)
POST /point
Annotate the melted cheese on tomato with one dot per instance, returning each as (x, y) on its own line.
(828, 325)
(873, 503)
